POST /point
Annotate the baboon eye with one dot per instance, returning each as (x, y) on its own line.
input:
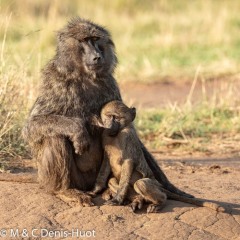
(91, 38)
(101, 49)
(114, 117)
(117, 118)
(95, 38)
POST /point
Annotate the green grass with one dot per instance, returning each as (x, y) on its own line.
(155, 40)
(191, 127)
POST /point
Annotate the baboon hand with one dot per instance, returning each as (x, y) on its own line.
(80, 139)
(80, 143)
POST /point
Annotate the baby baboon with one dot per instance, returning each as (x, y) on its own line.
(132, 177)
(76, 83)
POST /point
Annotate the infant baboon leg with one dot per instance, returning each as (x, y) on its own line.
(149, 189)
(112, 189)
(107, 194)
(76, 196)
(102, 177)
(113, 185)
(124, 183)
(111, 192)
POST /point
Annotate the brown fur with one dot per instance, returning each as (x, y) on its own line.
(132, 177)
(67, 147)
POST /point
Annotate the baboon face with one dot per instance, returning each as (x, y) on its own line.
(116, 115)
(92, 53)
(85, 47)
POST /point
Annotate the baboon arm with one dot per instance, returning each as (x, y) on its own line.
(103, 175)
(41, 126)
(52, 125)
(126, 174)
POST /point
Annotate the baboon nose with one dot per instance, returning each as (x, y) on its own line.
(96, 59)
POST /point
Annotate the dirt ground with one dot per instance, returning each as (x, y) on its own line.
(160, 94)
(34, 214)
(25, 206)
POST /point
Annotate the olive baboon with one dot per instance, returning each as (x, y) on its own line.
(76, 83)
(123, 156)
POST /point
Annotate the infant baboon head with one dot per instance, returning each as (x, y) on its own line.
(116, 115)
(84, 47)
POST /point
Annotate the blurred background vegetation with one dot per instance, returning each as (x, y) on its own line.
(156, 40)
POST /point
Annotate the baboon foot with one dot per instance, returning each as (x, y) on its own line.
(137, 203)
(154, 208)
(112, 202)
(107, 195)
(73, 195)
(92, 194)
(116, 202)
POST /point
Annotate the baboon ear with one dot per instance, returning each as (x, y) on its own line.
(133, 110)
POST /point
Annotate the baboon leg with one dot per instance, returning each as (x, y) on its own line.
(113, 186)
(135, 199)
(107, 194)
(112, 189)
(149, 189)
(54, 164)
(76, 177)
(57, 171)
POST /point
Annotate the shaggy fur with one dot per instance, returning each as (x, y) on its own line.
(67, 147)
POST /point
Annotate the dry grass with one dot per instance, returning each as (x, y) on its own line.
(155, 40)
(210, 126)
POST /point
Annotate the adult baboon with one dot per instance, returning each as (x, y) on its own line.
(76, 83)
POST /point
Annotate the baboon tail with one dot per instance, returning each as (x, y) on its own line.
(195, 201)
(160, 176)
(18, 177)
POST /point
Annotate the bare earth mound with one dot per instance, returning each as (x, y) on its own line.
(25, 206)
